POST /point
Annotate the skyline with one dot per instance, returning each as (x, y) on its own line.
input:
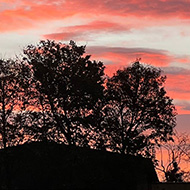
(115, 32)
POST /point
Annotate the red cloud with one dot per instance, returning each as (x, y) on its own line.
(159, 8)
(28, 15)
(181, 111)
(178, 86)
(118, 57)
(177, 83)
(82, 31)
(25, 13)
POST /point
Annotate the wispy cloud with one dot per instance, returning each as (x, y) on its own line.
(83, 31)
(161, 25)
(123, 56)
(21, 12)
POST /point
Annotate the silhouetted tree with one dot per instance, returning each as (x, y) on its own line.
(31, 125)
(138, 113)
(69, 84)
(174, 158)
(97, 134)
(13, 75)
(174, 175)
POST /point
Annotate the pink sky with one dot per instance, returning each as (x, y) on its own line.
(115, 32)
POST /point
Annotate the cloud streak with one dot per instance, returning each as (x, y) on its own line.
(177, 83)
(19, 13)
(159, 25)
(82, 31)
(122, 56)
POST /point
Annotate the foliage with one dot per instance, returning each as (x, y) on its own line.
(32, 127)
(13, 77)
(61, 95)
(69, 85)
(56, 93)
(138, 113)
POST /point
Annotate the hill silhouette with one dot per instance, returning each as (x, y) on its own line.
(40, 165)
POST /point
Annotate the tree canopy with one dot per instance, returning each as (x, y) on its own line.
(69, 82)
(13, 82)
(66, 97)
(138, 113)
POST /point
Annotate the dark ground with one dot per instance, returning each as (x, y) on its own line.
(53, 166)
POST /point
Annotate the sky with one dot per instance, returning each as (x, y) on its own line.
(116, 32)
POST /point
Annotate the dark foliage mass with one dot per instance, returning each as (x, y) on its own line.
(56, 93)
(138, 114)
(14, 79)
(68, 85)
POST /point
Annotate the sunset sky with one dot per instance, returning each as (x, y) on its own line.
(116, 32)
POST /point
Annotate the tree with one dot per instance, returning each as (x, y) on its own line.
(174, 158)
(13, 77)
(138, 113)
(68, 83)
(31, 125)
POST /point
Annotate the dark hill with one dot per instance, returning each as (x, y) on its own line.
(55, 166)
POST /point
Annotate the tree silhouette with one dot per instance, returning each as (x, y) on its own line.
(31, 125)
(69, 85)
(138, 113)
(174, 175)
(173, 156)
(13, 75)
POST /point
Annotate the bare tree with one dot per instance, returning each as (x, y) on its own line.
(174, 159)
